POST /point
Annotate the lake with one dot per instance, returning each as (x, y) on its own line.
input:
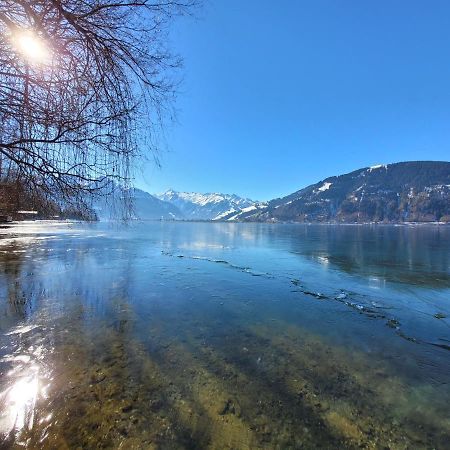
(172, 335)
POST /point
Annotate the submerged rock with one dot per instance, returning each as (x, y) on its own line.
(230, 407)
(393, 323)
(440, 316)
(317, 295)
(408, 338)
(127, 407)
(98, 376)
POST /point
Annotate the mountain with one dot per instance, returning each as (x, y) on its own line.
(416, 191)
(213, 206)
(144, 206)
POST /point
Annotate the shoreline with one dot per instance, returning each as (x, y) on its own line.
(69, 221)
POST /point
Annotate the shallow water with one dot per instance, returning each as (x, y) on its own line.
(224, 336)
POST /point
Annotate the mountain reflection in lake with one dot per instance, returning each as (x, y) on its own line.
(200, 335)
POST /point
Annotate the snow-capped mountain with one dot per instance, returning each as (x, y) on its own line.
(414, 191)
(211, 206)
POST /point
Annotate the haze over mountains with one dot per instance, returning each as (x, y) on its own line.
(417, 191)
(145, 207)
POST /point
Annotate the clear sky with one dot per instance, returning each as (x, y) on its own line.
(281, 94)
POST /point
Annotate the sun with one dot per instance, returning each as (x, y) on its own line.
(31, 46)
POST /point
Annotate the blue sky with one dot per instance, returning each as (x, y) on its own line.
(279, 95)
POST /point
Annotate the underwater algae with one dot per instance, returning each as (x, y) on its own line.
(246, 388)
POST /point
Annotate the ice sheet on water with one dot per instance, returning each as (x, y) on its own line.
(248, 270)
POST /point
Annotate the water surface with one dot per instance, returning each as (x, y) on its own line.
(224, 336)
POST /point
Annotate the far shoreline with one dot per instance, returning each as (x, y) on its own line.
(137, 220)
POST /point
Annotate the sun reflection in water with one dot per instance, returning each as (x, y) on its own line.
(21, 386)
(17, 403)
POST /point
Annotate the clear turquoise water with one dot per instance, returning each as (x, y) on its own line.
(201, 335)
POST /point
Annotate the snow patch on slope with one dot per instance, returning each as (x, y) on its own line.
(377, 166)
(243, 213)
(325, 187)
(225, 214)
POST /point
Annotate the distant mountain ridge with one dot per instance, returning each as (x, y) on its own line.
(416, 191)
(144, 206)
(209, 206)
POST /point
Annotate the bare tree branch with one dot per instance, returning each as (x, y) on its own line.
(73, 118)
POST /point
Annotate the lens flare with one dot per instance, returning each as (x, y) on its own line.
(31, 46)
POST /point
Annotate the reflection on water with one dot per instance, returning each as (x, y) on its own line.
(417, 255)
(23, 384)
(18, 403)
(224, 336)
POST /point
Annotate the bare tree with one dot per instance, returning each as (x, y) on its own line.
(84, 85)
